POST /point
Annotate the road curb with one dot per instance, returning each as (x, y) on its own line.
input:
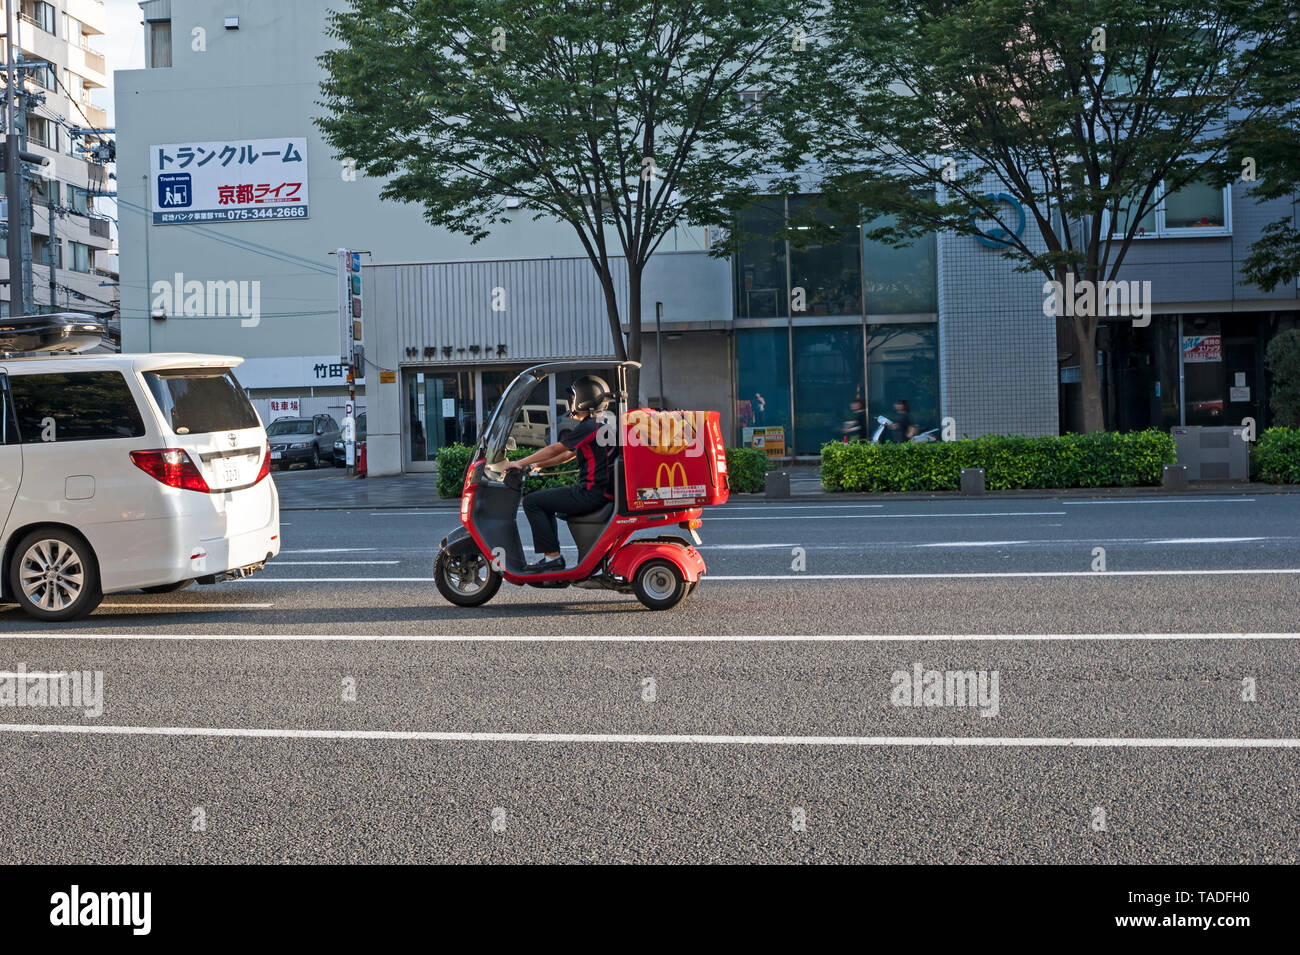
(831, 497)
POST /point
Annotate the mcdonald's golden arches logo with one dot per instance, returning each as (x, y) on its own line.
(670, 471)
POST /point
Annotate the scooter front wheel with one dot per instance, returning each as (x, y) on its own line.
(465, 577)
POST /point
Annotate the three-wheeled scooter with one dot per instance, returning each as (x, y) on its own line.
(667, 467)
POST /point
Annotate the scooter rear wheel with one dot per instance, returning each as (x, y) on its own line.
(465, 577)
(660, 585)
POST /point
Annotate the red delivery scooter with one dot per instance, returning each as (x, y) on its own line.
(669, 467)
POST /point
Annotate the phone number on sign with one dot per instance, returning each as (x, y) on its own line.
(232, 215)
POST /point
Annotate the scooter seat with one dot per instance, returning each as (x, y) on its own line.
(599, 516)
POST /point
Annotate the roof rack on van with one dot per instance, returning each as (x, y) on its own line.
(50, 334)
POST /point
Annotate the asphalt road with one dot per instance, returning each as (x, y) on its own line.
(573, 725)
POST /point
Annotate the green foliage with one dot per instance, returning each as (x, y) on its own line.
(1010, 462)
(1275, 458)
(453, 459)
(1283, 360)
(571, 108)
(1082, 110)
(746, 468)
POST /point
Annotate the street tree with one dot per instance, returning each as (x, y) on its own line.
(625, 119)
(1088, 112)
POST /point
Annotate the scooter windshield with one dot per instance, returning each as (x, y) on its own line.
(507, 410)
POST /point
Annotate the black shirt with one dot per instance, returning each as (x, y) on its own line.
(595, 467)
(904, 422)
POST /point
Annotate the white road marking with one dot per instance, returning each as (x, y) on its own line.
(652, 638)
(107, 605)
(1168, 500)
(335, 563)
(959, 576)
(1012, 573)
(1108, 742)
(877, 517)
(792, 507)
(974, 543)
(329, 550)
(1206, 540)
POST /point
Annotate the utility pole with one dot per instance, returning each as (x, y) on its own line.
(52, 248)
(13, 173)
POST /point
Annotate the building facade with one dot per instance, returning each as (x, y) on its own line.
(782, 339)
(70, 237)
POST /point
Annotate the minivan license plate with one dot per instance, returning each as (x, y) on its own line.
(229, 473)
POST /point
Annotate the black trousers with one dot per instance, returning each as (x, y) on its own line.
(540, 508)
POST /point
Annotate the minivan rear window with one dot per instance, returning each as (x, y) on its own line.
(201, 400)
(74, 406)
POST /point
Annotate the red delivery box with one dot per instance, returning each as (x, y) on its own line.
(673, 459)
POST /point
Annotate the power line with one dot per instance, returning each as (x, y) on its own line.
(242, 244)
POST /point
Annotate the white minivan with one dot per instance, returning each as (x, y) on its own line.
(122, 472)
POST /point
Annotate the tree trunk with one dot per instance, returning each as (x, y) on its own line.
(611, 313)
(1085, 333)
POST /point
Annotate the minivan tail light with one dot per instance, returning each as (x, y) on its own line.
(266, 464)
(171, 466)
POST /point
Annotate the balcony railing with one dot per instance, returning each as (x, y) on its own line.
(97, 117)
(94, 61)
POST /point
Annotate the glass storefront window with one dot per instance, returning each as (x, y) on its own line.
(903, 362)
(828, 377)
(899, 281)
(830, 274)
(762, 380)
(760, 262)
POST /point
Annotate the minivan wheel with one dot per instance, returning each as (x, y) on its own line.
(53, 575)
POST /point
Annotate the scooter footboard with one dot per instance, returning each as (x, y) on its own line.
(495, 509)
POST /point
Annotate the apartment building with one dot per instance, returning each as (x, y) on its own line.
(70, 236)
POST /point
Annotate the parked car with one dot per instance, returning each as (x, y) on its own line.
(125, 472)
(306, 441)
(532, 429)
(341, 448)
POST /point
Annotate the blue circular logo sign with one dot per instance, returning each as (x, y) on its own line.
(998, 237)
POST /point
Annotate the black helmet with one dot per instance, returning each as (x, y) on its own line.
(588, 393)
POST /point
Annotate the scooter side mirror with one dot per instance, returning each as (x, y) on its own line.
(510, 444)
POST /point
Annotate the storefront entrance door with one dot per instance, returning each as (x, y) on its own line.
(439, 411)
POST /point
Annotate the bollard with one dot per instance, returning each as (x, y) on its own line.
(972, 480)
(1174, 477)
(776, 484)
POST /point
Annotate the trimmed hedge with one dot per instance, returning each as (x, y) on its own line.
(1010, 462)
(746, 470)
(1275, 458)
(453, 459)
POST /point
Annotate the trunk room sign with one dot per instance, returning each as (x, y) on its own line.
(242, 181)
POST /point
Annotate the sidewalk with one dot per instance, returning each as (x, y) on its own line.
(302, 491)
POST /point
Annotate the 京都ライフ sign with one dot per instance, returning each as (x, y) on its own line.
(244, 181)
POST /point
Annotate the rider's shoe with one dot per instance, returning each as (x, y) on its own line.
(545, 566)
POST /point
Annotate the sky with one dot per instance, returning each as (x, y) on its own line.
(122, 45)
